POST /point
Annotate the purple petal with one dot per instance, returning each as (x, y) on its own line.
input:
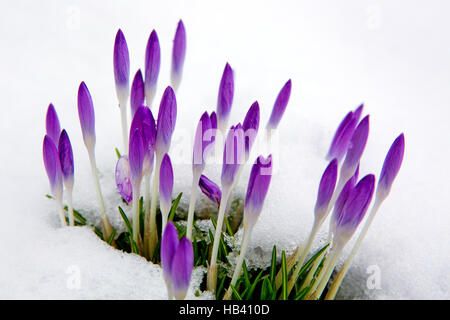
(136, 156)
(340, 201)
(152, 64)
(280, 105)
(144, 121)
(66, 159)
(86, 115)
(210, 189)
(233, 155)
(182, 265)
(167, 116)
(178, 53)
(257, 188)
(391, 166)
(52, 166)
(251, 126)
(137, 97)
(213, 118)
(121, 63)
(52, 126)
(355, 208)
(225, 98)
(326, 189)
(169, 244)
(341, 139)
(123, 179)
(203, 137)
(358, 111)
(356, 148)
(166, 183)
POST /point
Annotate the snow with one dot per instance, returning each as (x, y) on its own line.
(389, 55)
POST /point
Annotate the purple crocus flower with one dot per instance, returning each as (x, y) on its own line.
(144, 121)
(52, 126)
(210, 189)
(358, 111)
(354, 209)
(137, 97)
(326, 189)
(250, 127)
(177, 259)
(341, 139)
(66, 159)
(53, 167)
(86, 115)
(356, 148)
(123, 179)
(121, 61)
(178, 54)
(152, 64)
(203, 138)
(167, 116)
(257, 188)
(165, 185)
(225, 98)
(391, 167)
(136, 155)
(280, 105)
(233, 155)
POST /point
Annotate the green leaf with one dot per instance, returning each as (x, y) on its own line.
(253, 286)
(125, 219)
(304, 271)
(111, 237)
(273, 266)
(300, 295)
(118, 153)
(220, 288)
(174, 207)
(284, 284)
(229, 230)
(236, 294)
(246, 277)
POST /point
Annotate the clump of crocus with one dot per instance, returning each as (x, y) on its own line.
(257, 188)
(177, 259)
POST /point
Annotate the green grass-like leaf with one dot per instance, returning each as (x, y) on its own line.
(174, 207)
(284, 283)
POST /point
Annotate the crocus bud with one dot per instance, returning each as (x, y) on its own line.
(66, 159)
(233, 155)
(137, 97)
(169, 244)
(341, 139)
(182, 264)
(167, 116)
(225, 98)
(250, 127)
(326, 189)
(257, 188)
(391, 167)
(178, 54)
(358, 111)
(210, 189)
(354, 209)
(356, 148)
(86, 115)
(144, 121)
(123, 179)
(53, 167)
(121, 63)
(52, 127)
(165, 185)
(203, 138)
(152, 64)
(280, 105)
(136, 156)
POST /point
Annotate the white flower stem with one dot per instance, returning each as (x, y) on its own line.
(237, 270)
(212, 273)
(70, 207)
(62, 216)
(107, 230)
(123, 114)
(153, 235)
(192, 201)
(348, 262)
(136, 198)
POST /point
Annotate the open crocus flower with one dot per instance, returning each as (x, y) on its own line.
(52, 126)
(137, 96)
(67, 169)
(280, 106)
(177, 259)
(152, 64)
(165, 188)
(123, 179)
(178, 54)
(225, 98)
(210, 189)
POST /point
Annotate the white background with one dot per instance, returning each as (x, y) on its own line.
(391, 55)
